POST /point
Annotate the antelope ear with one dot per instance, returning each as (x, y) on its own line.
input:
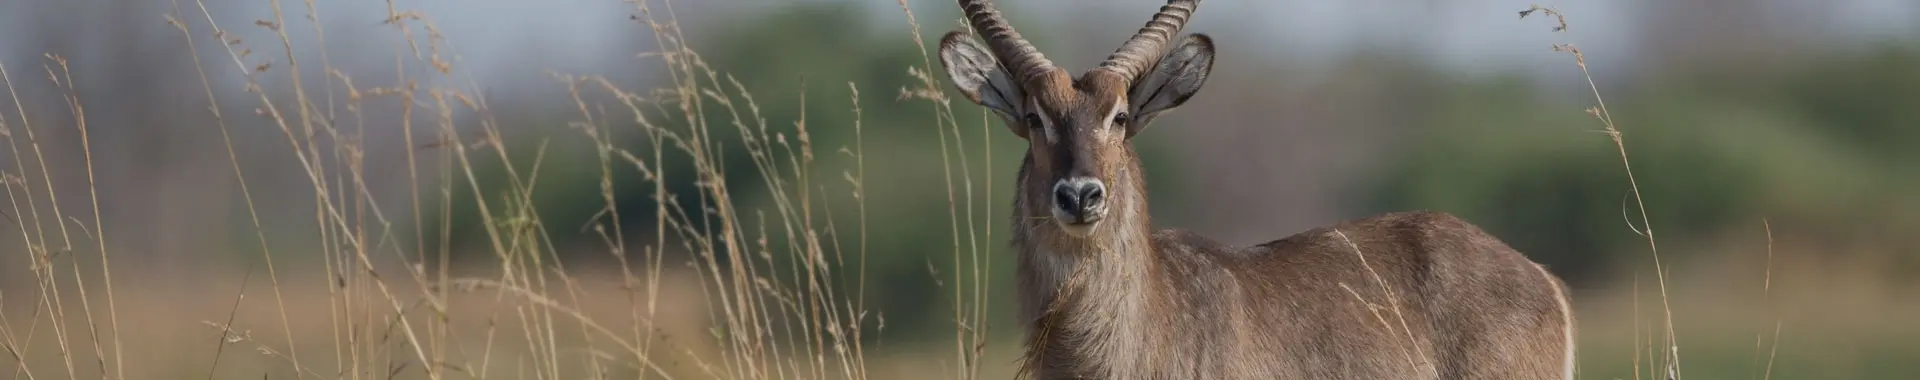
(1176, 78)
(981, 78)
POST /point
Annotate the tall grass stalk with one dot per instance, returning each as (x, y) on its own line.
(970, 260)
(1670, 359)
(782, 296)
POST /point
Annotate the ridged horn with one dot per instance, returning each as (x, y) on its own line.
(1021, 58)
(1139, 53)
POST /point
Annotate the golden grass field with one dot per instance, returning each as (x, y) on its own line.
(731, 284)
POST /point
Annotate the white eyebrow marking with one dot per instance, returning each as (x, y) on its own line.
(1119, 106)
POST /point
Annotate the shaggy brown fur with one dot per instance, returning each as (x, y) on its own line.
(1413, 295)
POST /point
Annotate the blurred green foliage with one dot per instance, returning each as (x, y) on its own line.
(797, 64)
(1821, 142)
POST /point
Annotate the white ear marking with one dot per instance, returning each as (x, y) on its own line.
(1046, 124)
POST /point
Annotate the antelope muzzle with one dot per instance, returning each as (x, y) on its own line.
(1079, 203)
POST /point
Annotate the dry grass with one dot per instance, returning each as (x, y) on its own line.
(43, 250)
(716, 290)
(1671, 345)
(1668, 362)
(781, 288)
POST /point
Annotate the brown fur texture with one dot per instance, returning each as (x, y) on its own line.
(1411, 295)
(1125, 302)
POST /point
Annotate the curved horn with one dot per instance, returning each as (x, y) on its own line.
(1146, 46)
(1021, 58)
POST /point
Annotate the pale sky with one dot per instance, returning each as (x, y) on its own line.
(512, 37)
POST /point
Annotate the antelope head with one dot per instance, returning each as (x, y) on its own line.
(1079, 130)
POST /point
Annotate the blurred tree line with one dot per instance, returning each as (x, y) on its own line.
(799, 61)
(1818, 146)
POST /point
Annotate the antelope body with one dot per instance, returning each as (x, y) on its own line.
(1414, 295)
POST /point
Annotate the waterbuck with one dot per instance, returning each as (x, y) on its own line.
(1412, 295)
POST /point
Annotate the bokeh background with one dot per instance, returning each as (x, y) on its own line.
(1772, 142)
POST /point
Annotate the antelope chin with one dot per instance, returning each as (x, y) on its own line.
(1078, 227)
(1078, 230)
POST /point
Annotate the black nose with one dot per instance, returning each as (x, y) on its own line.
(1080, 198)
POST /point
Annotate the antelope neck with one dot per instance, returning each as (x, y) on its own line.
(1086, 297)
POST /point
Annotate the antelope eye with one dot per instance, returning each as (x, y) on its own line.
(1033, 120)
